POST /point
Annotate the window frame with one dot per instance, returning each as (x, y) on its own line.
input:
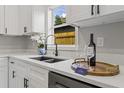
(51, 30)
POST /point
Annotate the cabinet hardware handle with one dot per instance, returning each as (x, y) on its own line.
(25, 29)
(12, 62)
(98, 9)
(92, 9)
(6, 30)
(26, 83)
(13, 74)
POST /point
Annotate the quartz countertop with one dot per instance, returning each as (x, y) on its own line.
(64, 68)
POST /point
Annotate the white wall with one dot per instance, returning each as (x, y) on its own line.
(113, 37)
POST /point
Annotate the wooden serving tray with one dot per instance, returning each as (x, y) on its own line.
(101, 68)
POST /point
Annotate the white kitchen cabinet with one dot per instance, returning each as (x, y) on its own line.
(22, 70)
(18, 19)
(38, 19)
(79, 12)
(102, 14)
(38, 77)
(22, 79)
(18, 72)
(16, 77)
(2, 31)
(109, 9)
(26, 75)
(11, 20)
(25, 18)
(12, 76)
(3, 72)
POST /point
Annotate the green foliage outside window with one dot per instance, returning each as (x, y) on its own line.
(59, 20)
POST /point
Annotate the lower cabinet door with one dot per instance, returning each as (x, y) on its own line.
(37, 83)
(3, 72)
(23, 75)
(20, 78)
(13, 78)
(38, 77)
(23, 81)
(3, 77)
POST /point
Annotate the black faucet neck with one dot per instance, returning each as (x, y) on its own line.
(56, 51)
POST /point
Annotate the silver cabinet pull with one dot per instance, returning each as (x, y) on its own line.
(13, 74)
(25, 29)
(6, 30)
(26, 83)
(12, 62)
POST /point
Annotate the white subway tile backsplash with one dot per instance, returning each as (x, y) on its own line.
(13, 42)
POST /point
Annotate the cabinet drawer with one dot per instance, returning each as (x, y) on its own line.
(4, 77)
(20, 65)
(39, 72)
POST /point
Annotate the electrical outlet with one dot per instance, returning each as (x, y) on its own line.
(100, 41)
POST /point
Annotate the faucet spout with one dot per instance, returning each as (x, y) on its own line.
(56, 48)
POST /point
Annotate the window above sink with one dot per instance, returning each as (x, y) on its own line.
(67, 35)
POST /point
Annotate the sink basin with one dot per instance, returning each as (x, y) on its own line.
(48, 59)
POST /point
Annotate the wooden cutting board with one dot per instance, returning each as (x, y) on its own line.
(101, 68)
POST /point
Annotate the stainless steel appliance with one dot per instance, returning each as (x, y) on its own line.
(60, 81)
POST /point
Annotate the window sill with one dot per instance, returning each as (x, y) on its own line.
(61, 25)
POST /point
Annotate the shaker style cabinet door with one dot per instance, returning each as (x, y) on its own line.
(18, 19)
(2, 31)
(13, 81)
(11, 20)
(23, 81)
(22, 75)
(79, 12)
(25, 18)
(109, 9)
(18, 72)
(38, 77)
(38, 19)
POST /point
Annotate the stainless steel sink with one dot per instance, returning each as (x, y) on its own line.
(48, 59)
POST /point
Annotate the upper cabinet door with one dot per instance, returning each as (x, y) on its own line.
(109, 9)
(11, 20)
(2, 31)
(79, 12)
(25, 18)
(38, 19)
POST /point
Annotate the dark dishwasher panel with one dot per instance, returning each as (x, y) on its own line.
(60, 81)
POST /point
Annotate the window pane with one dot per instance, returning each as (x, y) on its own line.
(59, 15)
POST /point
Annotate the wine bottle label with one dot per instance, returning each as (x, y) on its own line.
(90, 52)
